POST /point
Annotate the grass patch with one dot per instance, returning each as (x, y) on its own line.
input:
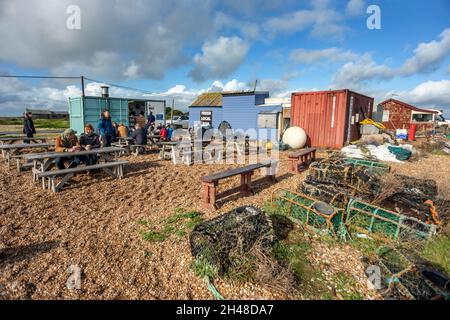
(202, 268)
(437, 251)
(38, 123)
(345, 287)
(293, 255)
(178, 224)
(154, 236)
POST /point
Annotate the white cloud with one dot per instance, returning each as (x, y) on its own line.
(329, 54)
(322, 18)
(435, 93)
(355, 74)
(429, 94)
(428, 55)
(114, 35)
(219, 58)
(355, 8)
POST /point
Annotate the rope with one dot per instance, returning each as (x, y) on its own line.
(213, 289)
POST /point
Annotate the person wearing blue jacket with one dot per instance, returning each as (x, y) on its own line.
(105, 129)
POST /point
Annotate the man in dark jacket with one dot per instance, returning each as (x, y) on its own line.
(105, 129)
(90, 140)
(28, 126)
(139, 137)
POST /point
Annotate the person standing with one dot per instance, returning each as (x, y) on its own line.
(28, 126)
(105, 129)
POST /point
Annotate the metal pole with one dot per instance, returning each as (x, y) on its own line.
(82, 86)
(173, 106)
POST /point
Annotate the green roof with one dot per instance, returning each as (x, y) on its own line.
(210, 99)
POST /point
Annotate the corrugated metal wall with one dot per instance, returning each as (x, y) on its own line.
(330, 118)
(240, 111)
(89, 110)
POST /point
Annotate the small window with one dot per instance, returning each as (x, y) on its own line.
(422, 117)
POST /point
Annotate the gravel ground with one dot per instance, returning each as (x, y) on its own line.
(93, 224)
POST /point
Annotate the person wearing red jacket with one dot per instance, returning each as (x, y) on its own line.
(163, 134)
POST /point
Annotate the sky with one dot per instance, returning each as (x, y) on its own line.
(180, 49)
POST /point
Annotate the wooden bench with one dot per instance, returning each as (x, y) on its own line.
(20, 165)
(210, 183)
(301, 157)
(48, 177)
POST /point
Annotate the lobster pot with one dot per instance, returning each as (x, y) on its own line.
(389, 224)
(343, 174)
(310, 212)
(403, 278)
(218, 240)
(373, 166)
(329, 193)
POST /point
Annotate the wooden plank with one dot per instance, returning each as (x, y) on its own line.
(301, 153)
(24, 146)
(54, 155)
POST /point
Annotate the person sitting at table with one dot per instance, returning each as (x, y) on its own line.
(122, 131)
(169, 132)
(90, 140)
(68, 142)
(115, 133)
(163, 134)
(139, 137)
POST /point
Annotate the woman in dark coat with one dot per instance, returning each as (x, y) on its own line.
(28, 126)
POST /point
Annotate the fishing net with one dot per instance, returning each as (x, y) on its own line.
(232, 234)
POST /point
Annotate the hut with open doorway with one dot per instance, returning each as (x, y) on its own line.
(88, 109)
(396, 114)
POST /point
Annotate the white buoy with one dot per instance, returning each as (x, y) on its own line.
(295, 137)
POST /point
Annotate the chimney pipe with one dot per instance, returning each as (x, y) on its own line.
(105, 92)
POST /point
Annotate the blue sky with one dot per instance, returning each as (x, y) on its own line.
(179, 49)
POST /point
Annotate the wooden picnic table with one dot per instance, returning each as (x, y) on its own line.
(43, 162)
(165, 146)
(12, 150)
(14, 140)
(211, 182)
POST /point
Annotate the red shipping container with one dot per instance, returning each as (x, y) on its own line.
(330, 118)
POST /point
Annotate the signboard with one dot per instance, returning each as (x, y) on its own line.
(206, 118)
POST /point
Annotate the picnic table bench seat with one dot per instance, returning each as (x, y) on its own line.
(210, 183)
(48, 177)
(301, 157)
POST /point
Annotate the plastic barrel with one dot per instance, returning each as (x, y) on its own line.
(412, 132)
